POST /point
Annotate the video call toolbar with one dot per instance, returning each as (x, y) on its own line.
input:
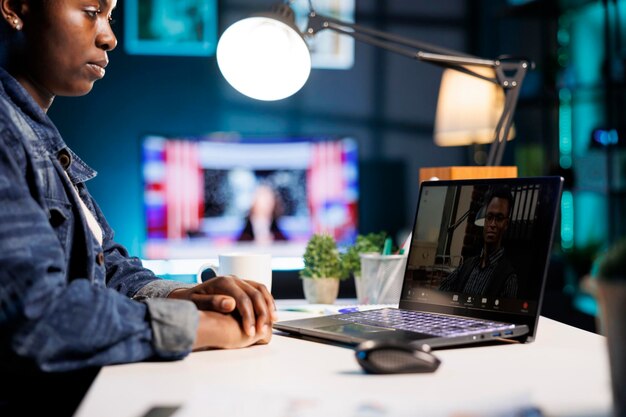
(453, 299)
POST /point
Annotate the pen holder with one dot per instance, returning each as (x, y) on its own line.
(381, 278)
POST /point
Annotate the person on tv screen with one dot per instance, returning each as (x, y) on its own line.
(261, 224)
(490, 273)
(71, 298)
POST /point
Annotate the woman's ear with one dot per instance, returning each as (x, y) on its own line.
(13, 12)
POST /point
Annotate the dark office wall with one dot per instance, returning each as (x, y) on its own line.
(385, 101)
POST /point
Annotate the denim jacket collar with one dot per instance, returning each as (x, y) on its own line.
(49, 138)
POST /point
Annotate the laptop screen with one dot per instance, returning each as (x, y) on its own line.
(481, 247)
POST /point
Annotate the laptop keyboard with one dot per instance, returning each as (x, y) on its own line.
(429, 323)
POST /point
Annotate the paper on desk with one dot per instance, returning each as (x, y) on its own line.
(235, 402)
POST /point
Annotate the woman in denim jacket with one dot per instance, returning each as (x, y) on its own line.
(71, 299)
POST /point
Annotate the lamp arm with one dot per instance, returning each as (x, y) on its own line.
(436, 59)
(423, 51)
(366, 38)
(503, 127)
(457, 63)
(319, 22)
(511, 85)
(510, 72)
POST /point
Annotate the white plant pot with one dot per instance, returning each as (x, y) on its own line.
(320, 290)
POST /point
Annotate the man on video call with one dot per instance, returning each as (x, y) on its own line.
(490, 273)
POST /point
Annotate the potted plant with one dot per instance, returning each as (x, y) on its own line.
(322, 270)
(351, 259)
(612, 302)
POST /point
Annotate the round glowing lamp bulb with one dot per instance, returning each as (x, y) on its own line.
(264, 58)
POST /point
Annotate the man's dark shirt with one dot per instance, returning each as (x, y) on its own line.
(497, 278)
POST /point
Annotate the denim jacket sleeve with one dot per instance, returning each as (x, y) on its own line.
(63, 325)
(125, 273)
(171, 324)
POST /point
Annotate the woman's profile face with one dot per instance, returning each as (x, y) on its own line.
(65, 45)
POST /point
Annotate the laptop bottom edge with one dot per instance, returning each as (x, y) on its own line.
(352, 334)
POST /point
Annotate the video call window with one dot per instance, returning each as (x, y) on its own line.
(205, 195)
(475, 245)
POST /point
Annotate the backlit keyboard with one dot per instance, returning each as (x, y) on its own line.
(420, 322)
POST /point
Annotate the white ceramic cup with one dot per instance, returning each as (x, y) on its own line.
(248, 266)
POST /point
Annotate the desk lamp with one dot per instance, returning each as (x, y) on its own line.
(266, 57)
(468, 110)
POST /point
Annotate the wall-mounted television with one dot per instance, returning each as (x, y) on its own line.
(212, 194)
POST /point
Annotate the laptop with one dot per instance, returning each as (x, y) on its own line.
(484, 279)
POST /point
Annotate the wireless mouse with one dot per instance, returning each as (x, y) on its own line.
(395, 357)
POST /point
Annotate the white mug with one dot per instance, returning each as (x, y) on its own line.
(249, 266)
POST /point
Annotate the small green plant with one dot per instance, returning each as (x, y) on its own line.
(351, 261)
(613, 263)
(321, 258)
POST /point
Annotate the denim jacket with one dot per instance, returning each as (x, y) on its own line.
(66, 301)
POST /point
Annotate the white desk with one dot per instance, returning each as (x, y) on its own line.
(563, 373)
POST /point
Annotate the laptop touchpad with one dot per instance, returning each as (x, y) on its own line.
(353, 329)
